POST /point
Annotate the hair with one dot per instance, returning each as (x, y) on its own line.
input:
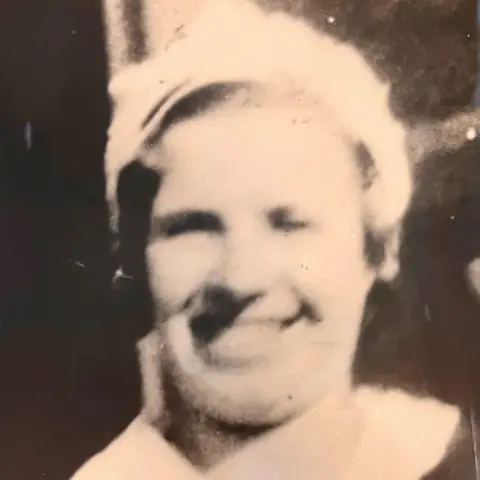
(280, 54)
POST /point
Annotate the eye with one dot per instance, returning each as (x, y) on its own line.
(284, 220)
(186, 222)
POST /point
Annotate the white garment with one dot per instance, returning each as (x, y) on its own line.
(399, 438)
(138, 453)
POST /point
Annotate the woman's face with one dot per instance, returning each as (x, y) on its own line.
(256, 255)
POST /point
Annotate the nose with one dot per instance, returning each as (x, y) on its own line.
(221, 306)
(247, 266)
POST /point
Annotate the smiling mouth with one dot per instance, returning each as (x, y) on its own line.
(245, 345)
(208, 325)
(206, 328)
(226, 336)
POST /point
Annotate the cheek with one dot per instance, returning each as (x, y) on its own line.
(332, 274)
(179, 267)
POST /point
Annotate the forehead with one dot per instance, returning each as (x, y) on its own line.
(254, 156)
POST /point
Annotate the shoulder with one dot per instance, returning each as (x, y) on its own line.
(139, 452)
(405, 436)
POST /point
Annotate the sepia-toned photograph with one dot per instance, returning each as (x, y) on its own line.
(240, 239)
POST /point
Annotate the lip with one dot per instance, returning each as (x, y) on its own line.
(303, 312)
(222, 362)
(241, 346)
(276, 322)
(292, 320)
(246, 346)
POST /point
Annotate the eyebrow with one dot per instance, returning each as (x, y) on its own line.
(185, 221)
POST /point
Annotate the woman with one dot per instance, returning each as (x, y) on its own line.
(281, 183)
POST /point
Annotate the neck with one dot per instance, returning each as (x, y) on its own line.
(319, 442)
(206, 441)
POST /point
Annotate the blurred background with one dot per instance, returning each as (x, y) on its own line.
(68, 373)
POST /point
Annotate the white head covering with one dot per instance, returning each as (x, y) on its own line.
(235, 40)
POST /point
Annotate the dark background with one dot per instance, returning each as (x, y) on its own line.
(68, 381)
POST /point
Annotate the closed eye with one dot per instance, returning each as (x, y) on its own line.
(283, 219)
(186, 222)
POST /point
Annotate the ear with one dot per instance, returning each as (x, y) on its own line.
(378, 225)
(390, 265)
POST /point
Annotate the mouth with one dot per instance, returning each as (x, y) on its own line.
(243, 346)
(250, 343)
(207, 327)
(225, 336)
(209, 323)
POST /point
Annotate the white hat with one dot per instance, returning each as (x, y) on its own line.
(235, 40)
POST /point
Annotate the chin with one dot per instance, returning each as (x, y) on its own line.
(264, 393)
